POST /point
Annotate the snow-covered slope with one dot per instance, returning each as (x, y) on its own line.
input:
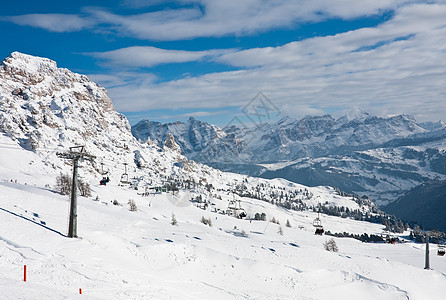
(124, 254)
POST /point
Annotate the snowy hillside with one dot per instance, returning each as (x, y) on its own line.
(123, 254)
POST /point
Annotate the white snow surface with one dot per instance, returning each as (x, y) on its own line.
(122, 254)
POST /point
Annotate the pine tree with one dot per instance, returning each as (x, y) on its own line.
(174, 220)
(132, 205)
(330, 245)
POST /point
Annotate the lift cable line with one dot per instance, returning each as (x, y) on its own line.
(76, 153)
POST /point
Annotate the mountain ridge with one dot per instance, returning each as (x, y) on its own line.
(320, 143)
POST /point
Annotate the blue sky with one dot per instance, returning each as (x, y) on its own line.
(168, 60)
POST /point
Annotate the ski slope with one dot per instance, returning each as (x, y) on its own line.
(122, 254)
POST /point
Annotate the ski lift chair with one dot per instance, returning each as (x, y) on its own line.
(124, 179)
(318, 225)
(232, 204)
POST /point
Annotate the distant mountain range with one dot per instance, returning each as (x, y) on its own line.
(360, 153)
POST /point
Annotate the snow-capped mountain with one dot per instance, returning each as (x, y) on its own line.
(45, 110)
(198, 140)
(360, 153)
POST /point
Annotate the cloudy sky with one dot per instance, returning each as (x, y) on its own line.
(168, 60)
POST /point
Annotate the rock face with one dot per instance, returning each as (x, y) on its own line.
(43, 105)
(170, 143)
(360, 153)
(198, 140)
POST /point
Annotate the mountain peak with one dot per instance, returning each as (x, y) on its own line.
(286, 120)
(355, 114)
(19, 63)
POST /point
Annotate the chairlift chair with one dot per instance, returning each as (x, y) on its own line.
(317, 223)
(235, 208)
(125, 178)
(232, 204)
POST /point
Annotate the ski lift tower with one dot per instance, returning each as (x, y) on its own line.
(76, 153)
(232, 205)
(427, 236)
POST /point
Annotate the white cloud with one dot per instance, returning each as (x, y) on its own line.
(53, 22)
(403, 72)
(233, 17)
(151, 56)
(208, 18)
(399, 66)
